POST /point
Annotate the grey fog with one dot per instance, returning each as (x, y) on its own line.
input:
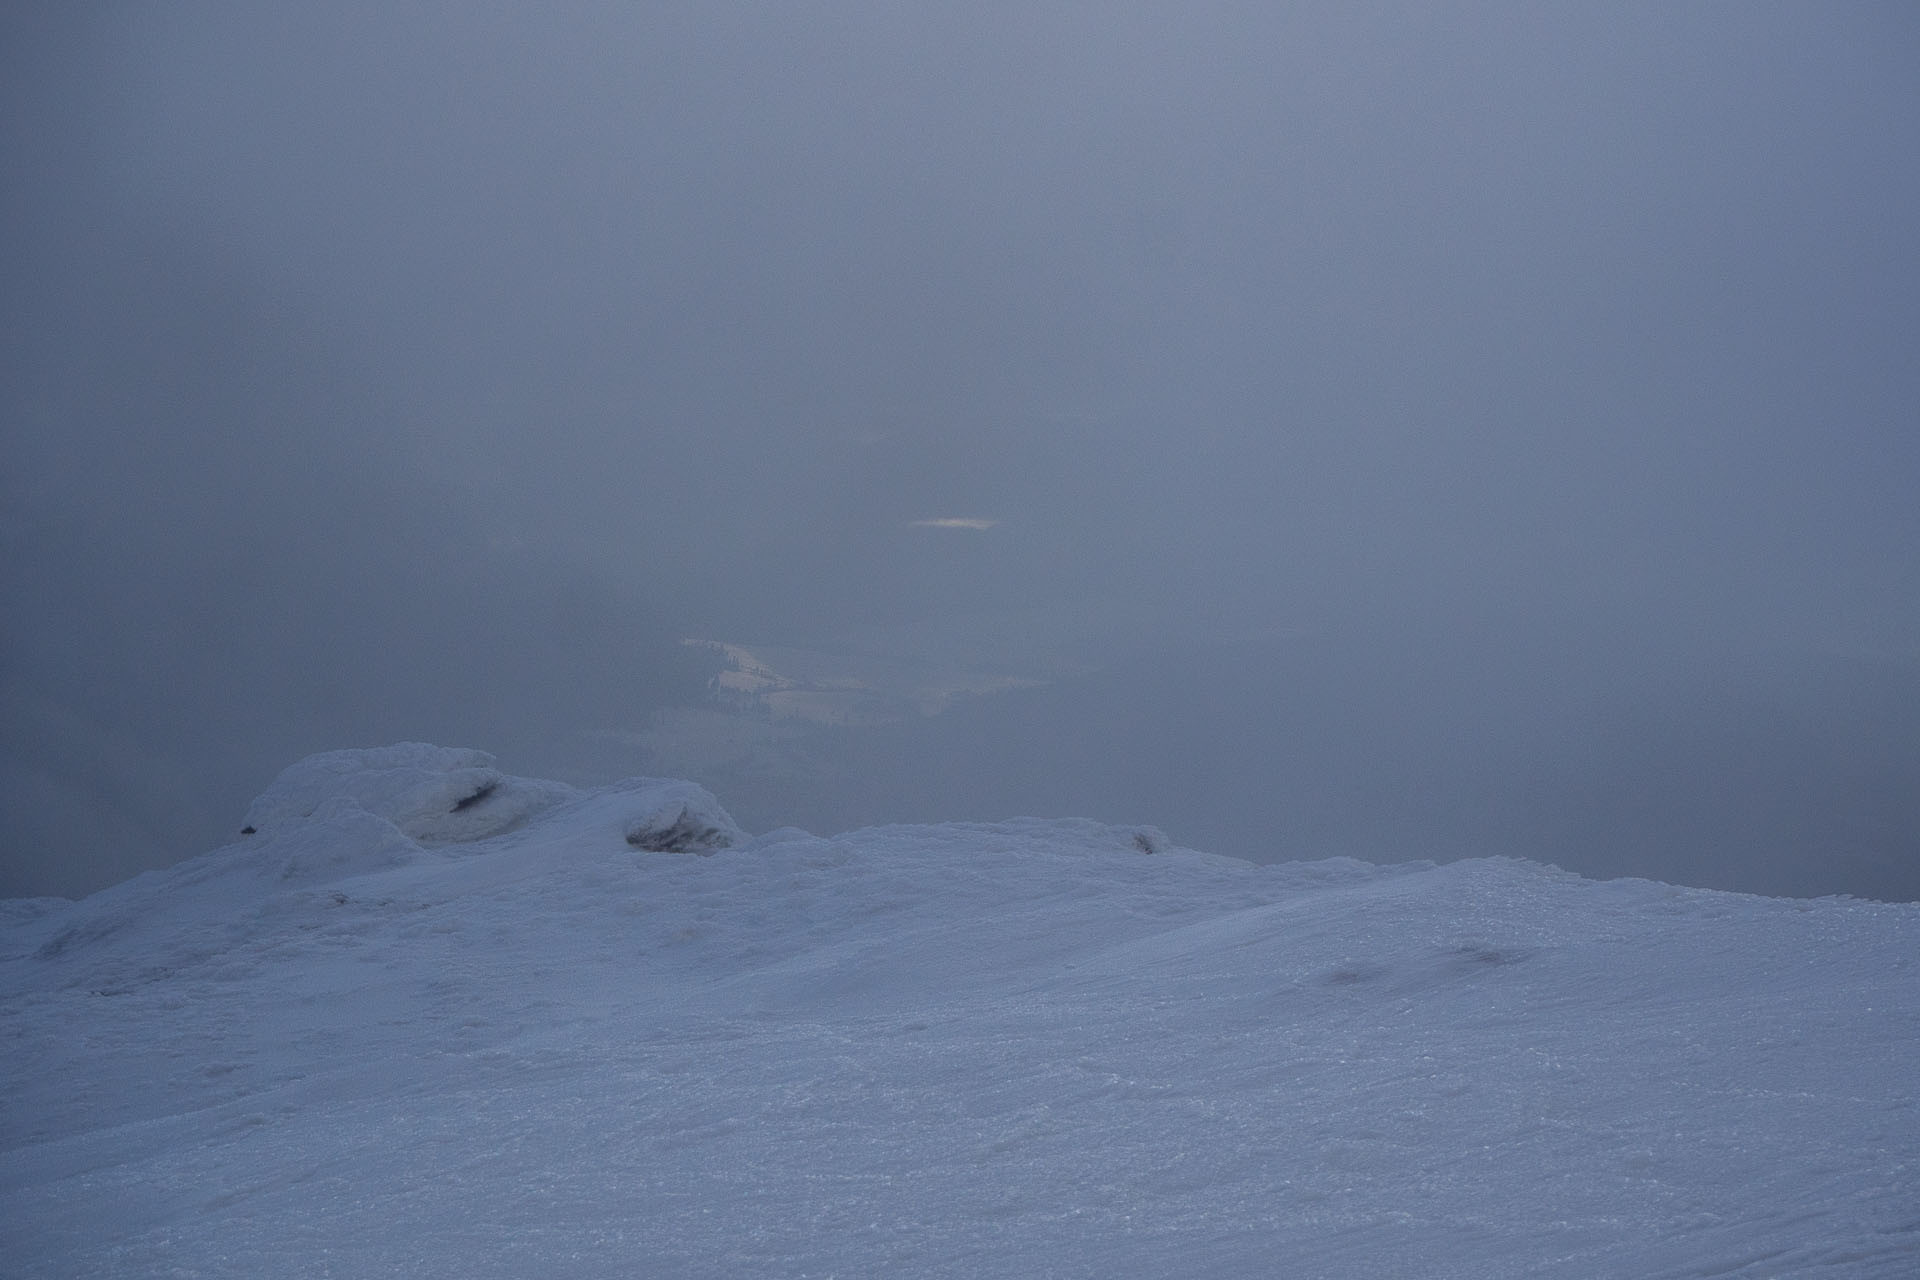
(1394, 430)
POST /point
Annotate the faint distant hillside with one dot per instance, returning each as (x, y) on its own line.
(1793, 776)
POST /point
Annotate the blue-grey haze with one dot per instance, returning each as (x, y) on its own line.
(1409, 430)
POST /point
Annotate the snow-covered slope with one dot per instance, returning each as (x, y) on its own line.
(429, 1020)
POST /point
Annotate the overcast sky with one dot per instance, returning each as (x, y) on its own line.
(393, 370)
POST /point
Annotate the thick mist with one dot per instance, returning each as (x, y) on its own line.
(1365, 429)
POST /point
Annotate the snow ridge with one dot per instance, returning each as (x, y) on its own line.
(431, 1019)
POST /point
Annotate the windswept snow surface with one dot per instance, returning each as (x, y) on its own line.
(360, 1043)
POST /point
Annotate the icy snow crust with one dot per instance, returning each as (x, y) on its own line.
(391, 1035)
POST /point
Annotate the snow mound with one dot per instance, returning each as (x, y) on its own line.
(653, 815)
(337, 840)
(341, 817)
(679, 817)
(428, 795)
(433, 795)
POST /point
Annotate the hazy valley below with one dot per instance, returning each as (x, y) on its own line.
(1779, 774)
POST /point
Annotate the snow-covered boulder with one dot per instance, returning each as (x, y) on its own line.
(672, 816)
(451, 795)
(433, 795)
(356, 815)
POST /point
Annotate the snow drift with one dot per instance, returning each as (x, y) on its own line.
(440, 795)
(430, 1019)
